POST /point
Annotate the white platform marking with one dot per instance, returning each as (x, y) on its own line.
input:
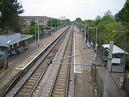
(75, 66)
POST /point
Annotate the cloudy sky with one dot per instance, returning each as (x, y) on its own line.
(85, 9)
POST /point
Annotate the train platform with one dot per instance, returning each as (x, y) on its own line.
(13, 72)
(32, 47)
(81, 73)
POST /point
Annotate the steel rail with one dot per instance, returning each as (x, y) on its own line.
(61, 85)
(39, 63)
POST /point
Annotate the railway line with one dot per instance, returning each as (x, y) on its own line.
(49, 72)
(27, 86)
(48, 83)
(61, 85)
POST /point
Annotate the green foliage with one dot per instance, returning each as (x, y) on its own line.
(98, 20)
(108, 16)
(78, 22)
(65, 22)
(33, 28)
(10, 9)
(109, 35)
(33, 23)
(53, 22)
(105, 26)
(123, 14)
(91, 23)
(105, 30)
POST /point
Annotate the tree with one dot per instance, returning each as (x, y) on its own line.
(65, 22)
(123, 14)
(33, 28)
(105, 26)
(108, 17)
(33, 23)
(53, 22)
(98, 20)
(10, 9)
(91, 23)
(78, 22)
(109, 35)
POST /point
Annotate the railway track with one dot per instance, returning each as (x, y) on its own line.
(61, 84)
(26, 86)
(46, 86)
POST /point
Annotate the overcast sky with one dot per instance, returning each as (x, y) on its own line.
(85, 9)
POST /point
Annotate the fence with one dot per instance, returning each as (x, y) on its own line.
(127, 83)
(98, 75)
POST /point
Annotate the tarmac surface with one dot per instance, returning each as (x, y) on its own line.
(81, 73)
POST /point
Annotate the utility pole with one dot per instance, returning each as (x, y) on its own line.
(105, 93)
(35, 30)
(1, 7)
(85, 32)
(96, 46)
(38, 35)
(96, 35)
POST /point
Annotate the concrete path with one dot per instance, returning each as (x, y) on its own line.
(82, 85)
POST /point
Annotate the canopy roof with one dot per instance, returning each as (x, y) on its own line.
(10, 39)
(116, 49)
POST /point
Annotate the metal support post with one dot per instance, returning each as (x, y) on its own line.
(85, 32)
(105, 93)
(125, 46)
(6, 62)
(38, 35)
(96, 46)
(109, 65)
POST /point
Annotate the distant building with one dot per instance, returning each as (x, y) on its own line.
(12, 43)
(25, 21)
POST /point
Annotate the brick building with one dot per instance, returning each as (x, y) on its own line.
(25, 21)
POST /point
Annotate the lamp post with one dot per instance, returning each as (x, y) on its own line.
(106, 87)
(86, 32)
(6, 55)
(35, 30)
(96, 40)
(38, 35)
(1, 7)
(9, 43)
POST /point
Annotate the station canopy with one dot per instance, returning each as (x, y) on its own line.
(116, 49)
(12, 38)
